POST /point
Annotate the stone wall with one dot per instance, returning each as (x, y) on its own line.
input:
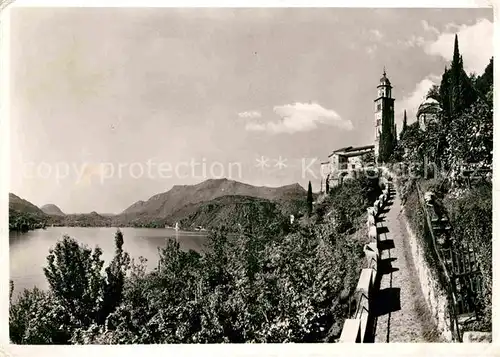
(357, 329)
(434, 294)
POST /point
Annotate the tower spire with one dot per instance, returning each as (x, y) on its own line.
(384, 71)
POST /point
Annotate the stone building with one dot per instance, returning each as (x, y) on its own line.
(427, 112)
(344, 162)
(384, 113)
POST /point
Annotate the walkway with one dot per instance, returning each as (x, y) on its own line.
(400, 309)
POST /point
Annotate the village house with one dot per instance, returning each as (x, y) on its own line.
(344, 162)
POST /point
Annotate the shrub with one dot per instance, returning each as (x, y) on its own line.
(472, 217)
(354, 196)
(265, 282)
(36, 318)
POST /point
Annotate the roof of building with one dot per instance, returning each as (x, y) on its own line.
(352, 151)
(428, 106)
(384, 81)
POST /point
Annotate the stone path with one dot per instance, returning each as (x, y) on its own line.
(400, 309)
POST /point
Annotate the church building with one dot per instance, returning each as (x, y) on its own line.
(385, 130)
(345, 161)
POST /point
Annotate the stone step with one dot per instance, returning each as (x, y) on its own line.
(466, 318)
(441, 228)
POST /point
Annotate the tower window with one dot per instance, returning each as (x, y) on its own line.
(379, 106)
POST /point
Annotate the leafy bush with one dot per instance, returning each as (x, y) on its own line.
(354, 196)
(471, 217)
(24, 221)
(37, 319)
(266, 281)
(79, 296)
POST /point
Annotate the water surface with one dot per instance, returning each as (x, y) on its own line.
(28, 251)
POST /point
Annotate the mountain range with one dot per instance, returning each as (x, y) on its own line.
(52, 209)
(208, 204)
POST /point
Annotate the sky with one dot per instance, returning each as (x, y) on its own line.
(109, 106)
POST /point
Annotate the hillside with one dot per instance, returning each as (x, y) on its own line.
(186, 197)
(231, 211)
(24, 215)
(92, 219)
(16, 203)
(208, 204)
(52, 210)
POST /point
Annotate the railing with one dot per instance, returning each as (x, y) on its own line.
(358, 327)
(455, 327)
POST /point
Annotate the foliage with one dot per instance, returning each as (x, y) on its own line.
(368, 159)
(355, 195)
(36, 318)
(309, 198)
(79, 297)
(387, 143)
(456, 90)
(74, 276)
(463, 129)
(25, 221)
(470, 137)
(415, 214)
(471, 216)
(115, 279)
(265, 282)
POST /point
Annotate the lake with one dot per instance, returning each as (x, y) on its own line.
(28, 251)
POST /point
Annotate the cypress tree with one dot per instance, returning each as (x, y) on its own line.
(456, 83)
(394, 137)
(462, 94)
(309, 198)
(405, 123)
(444, 93)
(386, 142)
(456, 54)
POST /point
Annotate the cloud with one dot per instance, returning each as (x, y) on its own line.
(411, 102)
(377, 35)
(428, 27)
(251, 114)
(413, 41)
(300, 117)
(474, 41)
(371, 50)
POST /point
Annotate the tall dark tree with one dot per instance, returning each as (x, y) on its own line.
(405, 124)
(461, 91)
(394, 142)
(386, 143)
(445, 93)
(485, 82)
(309, 198)
(115, 279)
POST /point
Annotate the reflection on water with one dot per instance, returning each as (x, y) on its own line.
(28, 251)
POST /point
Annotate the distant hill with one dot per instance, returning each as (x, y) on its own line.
(92, 219)
(52, 210)
(165, 204)
(231, 211)
(24, 215)
(183, 203)
(107, 214)
(16, 203)
(208, 204)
